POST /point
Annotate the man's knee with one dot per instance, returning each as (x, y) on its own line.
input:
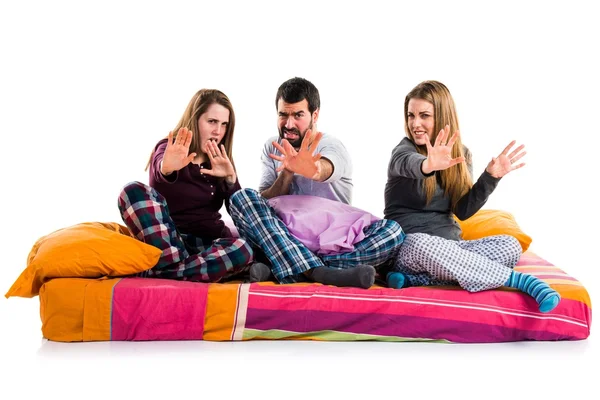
(243, 197)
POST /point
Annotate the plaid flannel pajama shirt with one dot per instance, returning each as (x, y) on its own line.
(184, 257)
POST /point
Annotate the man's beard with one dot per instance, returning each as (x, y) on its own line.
(297, 142)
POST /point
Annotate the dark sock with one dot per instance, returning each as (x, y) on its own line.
(260, 272)
(546, 297)
(395, 280)
(362, 276)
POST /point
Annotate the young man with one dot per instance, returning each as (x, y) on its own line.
(317, 169)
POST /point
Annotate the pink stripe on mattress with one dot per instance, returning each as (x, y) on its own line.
(158, 309)
(530, 259)
(400, 326)
(452, 305)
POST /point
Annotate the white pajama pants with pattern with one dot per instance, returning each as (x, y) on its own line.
(475, 265)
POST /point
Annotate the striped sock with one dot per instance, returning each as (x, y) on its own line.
(546, 297)
(395, 280)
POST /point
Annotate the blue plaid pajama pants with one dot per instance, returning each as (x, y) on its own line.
(184, 257)
(475, 265)
(257, 222)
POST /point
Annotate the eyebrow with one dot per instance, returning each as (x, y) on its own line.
(215, 119)
(282, 113)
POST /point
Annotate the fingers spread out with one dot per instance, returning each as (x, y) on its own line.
(453, 139)
(289, 150)
(457, 160)
(278, 147)
(442, 137)
(276, 157)
(306, 140)
(224, 152)
(507, 148)
(516, 151)
(188, 139)
(315, 142)
(428, 143)
(514, 159)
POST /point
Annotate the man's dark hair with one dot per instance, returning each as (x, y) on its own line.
(297, 89)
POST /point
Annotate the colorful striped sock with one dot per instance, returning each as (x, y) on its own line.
(395, 280)
(546, 297)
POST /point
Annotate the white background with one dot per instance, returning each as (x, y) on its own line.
(88, 88)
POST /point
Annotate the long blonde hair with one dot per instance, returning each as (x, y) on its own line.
(197, 106)
(456, 180)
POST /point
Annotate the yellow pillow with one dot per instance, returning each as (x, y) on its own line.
(493, 222)
(86, 250)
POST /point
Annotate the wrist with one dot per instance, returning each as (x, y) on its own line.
(163, 171)
(425, 168)
(230, 179)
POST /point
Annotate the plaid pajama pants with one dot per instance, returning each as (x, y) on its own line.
(257, 222)
(184, 257)
(475, 265)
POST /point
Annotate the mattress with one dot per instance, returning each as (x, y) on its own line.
(141, 309)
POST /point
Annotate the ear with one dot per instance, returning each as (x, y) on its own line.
(316, 115)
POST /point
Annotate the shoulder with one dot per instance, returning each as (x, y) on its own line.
(331, 142)
(467, 154)
(269, 143)
(161, 145)
(406, 145)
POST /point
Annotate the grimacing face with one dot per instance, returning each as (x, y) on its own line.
(294, 120)
(421, 120)
(212, 125)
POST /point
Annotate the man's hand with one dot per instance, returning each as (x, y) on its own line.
(302, 162)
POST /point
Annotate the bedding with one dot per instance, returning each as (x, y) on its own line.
(128, 309)
(87, 250)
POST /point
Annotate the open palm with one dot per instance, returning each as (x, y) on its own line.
(439, 156)
(505, 162)
(220, 164)
(176, 154)
(302, 162)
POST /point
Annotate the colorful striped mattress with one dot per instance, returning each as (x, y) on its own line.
(123, 309)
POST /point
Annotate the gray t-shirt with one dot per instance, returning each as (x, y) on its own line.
(337, 187)
(405, 200)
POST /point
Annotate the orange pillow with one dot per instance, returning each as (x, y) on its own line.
(86, 250)
(493, 222)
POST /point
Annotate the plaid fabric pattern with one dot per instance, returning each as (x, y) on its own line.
(257, 222)
(380, 245)
(184, 257)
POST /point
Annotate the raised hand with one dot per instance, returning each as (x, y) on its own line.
(439, 156)
(220, 163)
(176, 154)
(505, 163)
(302, 162)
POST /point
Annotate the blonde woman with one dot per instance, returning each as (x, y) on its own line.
(430, 181)
(191, 175)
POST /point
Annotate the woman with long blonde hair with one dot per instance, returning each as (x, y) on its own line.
(430, 182)
(191, 175)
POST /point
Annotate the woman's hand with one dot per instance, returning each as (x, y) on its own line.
(505, 163)
(220, 164)
(439, 156)
(176, 154)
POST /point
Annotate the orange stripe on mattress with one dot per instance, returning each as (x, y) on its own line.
(221, 311)
(76, 309)
(98, 308)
